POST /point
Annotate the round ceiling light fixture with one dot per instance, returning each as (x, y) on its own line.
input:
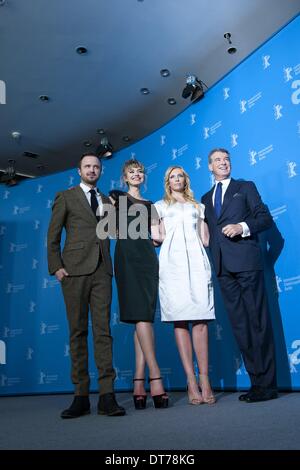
(165, 73)
(81, 50)
(231, 50)
(44, 98)
(145, 91)
(171, 101)
(16, 135)
(126, 138)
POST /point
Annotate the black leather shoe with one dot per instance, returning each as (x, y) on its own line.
(261, 395)
(107, 405)
(79, 407)
(244, 396)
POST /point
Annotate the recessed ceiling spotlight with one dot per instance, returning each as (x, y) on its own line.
(171, 101)
(81, 50)
(44, 97)
(145, 91)
(16, 135)
(231, 49)
(100, 131)
(87, 143)
(126, 138)
(165, 72)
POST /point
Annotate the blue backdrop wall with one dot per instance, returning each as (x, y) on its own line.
(253, 112)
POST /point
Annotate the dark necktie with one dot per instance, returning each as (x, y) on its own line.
(218, 199)
(94, 203)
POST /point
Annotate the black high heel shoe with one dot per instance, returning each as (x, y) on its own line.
(162, 400)
(139, 400)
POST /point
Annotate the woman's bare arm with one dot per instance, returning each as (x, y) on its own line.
(158, 233)
(203, 232)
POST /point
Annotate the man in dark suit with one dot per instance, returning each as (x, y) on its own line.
(235, 215)
(84, 269)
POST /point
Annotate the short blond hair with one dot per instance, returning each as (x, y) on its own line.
(132, 164)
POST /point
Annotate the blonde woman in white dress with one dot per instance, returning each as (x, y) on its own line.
(185, 284)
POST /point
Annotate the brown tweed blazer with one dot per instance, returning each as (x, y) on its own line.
(72, 212)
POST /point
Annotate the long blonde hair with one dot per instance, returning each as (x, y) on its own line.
(187, 192)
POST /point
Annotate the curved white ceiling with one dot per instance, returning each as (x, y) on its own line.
(128, 42)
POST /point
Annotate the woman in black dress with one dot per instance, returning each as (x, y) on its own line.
(136, 272)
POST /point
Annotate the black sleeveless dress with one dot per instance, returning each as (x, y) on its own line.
(135, 261)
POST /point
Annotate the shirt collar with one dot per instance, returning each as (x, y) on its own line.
(86, 188)
(225, 183)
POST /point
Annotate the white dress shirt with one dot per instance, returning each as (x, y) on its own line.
(225, 184)
(87, 193)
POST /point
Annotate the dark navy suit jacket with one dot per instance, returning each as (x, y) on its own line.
(242, 203)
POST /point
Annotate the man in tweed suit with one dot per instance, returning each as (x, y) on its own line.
(84, 269)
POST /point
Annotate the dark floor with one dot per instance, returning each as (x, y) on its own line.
(33, 422)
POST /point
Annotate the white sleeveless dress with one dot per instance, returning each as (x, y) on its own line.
(185, 283)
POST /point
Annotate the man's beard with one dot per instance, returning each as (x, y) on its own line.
(90, 179)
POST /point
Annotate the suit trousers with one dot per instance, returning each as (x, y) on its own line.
(246, 304)
(82, 293)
